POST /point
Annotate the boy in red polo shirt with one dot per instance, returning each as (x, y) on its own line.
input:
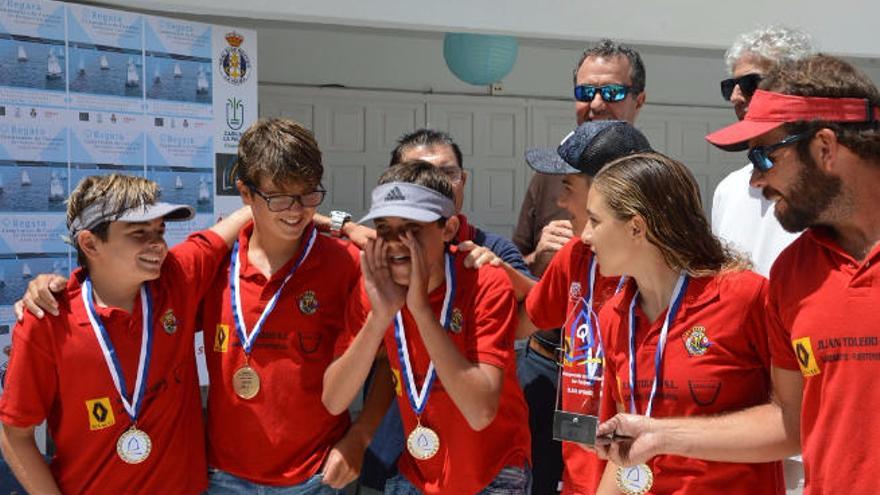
(448, 333)
(274, 319)
(114, 371)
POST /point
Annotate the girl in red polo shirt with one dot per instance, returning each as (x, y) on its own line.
(686, 335)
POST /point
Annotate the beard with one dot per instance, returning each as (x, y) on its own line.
(810, 196)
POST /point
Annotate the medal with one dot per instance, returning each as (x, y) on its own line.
(423, 443)
(635, 480)
(134, 446)
(245, 380)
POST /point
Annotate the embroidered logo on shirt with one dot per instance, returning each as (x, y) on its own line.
(169, 322)
(221, 338)
(695, 341)
(575, 291)
(100, 413)
(704, 392)
(308, 303)
(803, 349)
(456, 321)
(309, 341)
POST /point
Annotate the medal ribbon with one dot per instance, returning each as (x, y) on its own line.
(247, 339)
(418, 398)
(132, 405)
(674, 305)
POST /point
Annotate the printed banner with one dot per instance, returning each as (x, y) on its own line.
(86, 91)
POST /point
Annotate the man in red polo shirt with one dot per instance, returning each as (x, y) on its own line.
(813, 137)
(113, 372)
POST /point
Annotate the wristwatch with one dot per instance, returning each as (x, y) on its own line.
(337, 220)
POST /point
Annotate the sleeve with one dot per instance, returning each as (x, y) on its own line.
(547, 302)
(31, 382)
(611, 393)
(495, 318)
(758, 324)
(524, 235)
(198, 259)
(356, 308)
(779, 336)
(508, 252)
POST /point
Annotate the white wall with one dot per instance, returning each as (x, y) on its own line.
(844, 26)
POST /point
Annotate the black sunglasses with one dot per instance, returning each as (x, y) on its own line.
(610, 93)
(760, 155)
(281, 202)
(747, 84)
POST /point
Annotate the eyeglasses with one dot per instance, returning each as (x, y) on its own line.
(760, 155)
(453, 173)
(610, 92)
(281, 202)
(747, 84)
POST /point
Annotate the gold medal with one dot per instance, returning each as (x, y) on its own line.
(246, 382)
(423, 443)
(134, 446)
(635, 480)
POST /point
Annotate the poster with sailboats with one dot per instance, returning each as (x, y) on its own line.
(33, 55)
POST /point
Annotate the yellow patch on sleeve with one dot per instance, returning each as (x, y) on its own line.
(221, 338)
(803, 349)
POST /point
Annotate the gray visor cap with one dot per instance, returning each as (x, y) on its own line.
(410, 201)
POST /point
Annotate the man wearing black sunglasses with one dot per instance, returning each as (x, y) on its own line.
(609, 84)
(813, 131)
(740, 214)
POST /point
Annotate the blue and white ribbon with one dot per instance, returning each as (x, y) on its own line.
(247, 339)
(132, 404)
(674, 305)
(418, 398)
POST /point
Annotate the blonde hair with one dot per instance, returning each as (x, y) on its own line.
(664, 193)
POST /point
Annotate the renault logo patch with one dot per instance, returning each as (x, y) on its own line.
(221, 338)
(803, 350)
(100, 413)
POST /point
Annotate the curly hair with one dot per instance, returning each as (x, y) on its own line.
(774, 43)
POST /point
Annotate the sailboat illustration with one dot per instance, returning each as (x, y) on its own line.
(157, 78)
(22, 55)
(25, 271)
(82, 65)
(25, 178)
(177, 71)
(56, 189)
(2, 277)
(104, 64)
(1, 184)
(204, 195)
(201, 81)
(53, 68)
(178, 183)
(132, 78)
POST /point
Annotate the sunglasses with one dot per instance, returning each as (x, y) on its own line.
(281, 202)
(747, 84)
(760, 155)
(610, 93)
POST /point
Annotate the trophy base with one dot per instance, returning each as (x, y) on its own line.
(572, 427)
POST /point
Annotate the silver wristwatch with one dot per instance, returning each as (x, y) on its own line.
(337, 220)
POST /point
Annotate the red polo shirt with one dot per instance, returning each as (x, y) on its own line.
(283, 435)
(569, 273)
(716, 360)
(483, 330)
(57, 372)
(824, 322)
